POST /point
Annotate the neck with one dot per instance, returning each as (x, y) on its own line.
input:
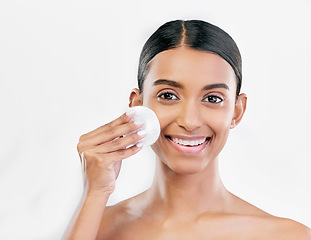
(188, 194)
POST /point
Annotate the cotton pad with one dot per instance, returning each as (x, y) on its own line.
(151, 125)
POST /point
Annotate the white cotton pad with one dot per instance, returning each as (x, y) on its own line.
(148, 118)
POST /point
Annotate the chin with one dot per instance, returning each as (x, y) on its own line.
(185, 168)
(183, 165)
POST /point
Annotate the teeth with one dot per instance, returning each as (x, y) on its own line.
(188, 143)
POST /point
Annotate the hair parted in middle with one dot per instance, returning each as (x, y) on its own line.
(196, 34)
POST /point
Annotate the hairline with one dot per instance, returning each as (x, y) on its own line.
(148, 65)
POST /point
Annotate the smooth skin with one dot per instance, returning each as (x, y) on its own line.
(193, 93)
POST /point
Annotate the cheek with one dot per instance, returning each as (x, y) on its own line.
(162, 113)
(219, 120)
(160, 110)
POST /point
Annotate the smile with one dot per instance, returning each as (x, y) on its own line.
(188, 144)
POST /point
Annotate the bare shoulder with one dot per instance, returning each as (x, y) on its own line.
(271, 227)
(266, 226)
(288, 229)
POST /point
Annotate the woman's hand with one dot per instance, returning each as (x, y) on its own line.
(102, 151)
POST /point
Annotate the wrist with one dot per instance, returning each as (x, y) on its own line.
(96, 194)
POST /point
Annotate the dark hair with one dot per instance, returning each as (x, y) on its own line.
(195, 34)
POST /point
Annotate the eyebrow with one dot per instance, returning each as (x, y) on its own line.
(179, 85)
(168, 82)
(216, 85)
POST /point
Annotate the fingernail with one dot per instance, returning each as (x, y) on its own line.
(139, 144)
(141, 133)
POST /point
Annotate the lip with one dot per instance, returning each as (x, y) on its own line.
(188, 149)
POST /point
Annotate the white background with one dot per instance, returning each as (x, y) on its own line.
(67, 67)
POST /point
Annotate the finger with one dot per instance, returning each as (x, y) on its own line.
(124, 118)
(120, 143)
(109, 158)
(108, 135)
(123, 154)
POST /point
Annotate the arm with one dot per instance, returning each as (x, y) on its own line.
(86, 220)
(101, 153)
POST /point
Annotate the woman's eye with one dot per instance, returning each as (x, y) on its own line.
(168, 96)
(213, 99)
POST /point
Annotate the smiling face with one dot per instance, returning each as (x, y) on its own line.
(193, 93)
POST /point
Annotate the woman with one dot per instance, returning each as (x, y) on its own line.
(190, 76)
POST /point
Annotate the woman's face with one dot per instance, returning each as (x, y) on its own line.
(193, 94)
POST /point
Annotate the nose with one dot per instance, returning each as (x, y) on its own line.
(189, 117)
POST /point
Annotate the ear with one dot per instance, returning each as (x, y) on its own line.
(135, 98)
(239, 110)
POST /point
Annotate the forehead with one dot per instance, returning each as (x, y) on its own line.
(190, 66)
